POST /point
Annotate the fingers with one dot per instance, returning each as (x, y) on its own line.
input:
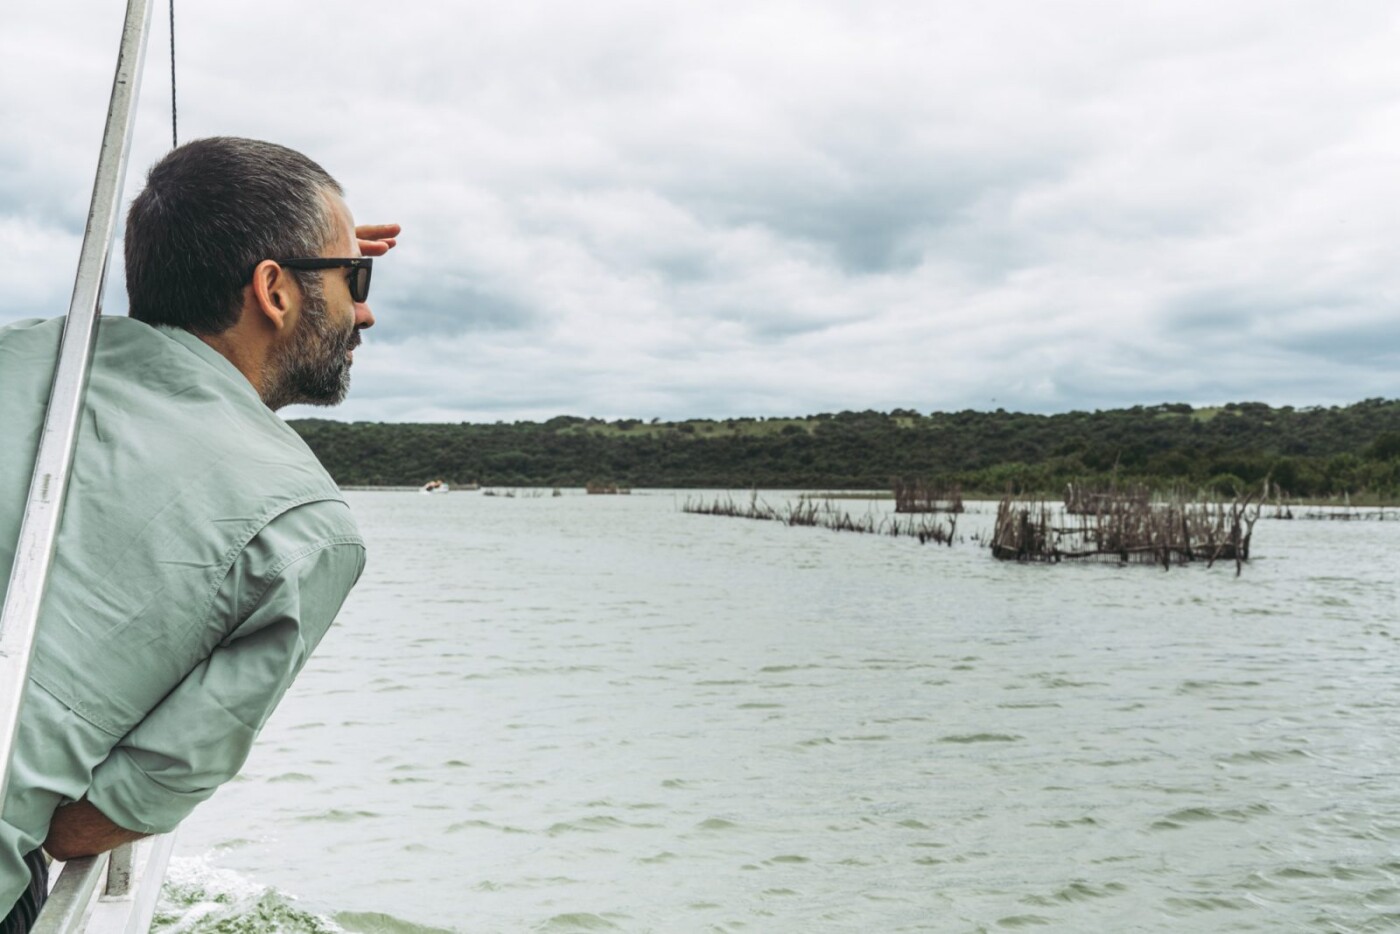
(376, 247)
(377, 231)
(377, 239)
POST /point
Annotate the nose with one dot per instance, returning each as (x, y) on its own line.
(364, 318)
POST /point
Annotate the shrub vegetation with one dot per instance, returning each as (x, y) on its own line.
(1310, 452)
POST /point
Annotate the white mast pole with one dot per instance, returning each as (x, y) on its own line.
(39, 529)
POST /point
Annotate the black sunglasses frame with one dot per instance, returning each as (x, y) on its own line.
(359, 282)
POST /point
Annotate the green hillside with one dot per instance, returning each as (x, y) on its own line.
(1310, 452)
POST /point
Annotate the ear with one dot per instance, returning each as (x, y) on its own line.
(276, 296)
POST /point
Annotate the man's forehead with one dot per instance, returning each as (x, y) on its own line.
(344, 224)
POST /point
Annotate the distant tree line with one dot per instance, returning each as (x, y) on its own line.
(1309, 452)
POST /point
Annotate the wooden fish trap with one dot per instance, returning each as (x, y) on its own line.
(827, 516)
(1352, 514)
(1127, 531)
(918, 496)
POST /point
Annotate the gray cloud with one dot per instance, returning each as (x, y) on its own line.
(624, 208)
(446, 305)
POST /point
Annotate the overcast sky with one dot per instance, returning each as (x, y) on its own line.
(765, 208)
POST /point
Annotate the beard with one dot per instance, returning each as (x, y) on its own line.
(313, 368)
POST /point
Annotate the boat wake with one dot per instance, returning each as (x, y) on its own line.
(199, 898)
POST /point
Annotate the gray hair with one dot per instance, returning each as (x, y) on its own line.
(210, 212)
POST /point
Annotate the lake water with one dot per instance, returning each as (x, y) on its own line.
(593, 713)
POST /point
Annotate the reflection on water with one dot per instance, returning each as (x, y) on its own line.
(594, 713)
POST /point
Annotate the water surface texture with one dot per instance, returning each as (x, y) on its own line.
(596, 713)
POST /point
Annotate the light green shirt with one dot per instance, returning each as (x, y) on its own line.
(202, 556)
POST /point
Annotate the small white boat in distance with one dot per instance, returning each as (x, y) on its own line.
(434, 486)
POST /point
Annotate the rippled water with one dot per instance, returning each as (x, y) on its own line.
(593, 713)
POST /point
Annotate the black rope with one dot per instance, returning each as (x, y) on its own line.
(174, 118)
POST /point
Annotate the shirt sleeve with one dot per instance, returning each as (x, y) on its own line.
(291, 584)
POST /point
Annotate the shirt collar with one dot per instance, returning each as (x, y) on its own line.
(210, 356)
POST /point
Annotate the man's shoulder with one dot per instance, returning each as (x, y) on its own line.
(29, 324)
(313, 524)
(51, 328)
(31, 340)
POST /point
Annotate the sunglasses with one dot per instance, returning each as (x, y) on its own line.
(360, 268)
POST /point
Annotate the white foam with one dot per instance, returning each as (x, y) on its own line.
(198, 896)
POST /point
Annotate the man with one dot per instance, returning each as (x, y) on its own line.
(204, 551)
